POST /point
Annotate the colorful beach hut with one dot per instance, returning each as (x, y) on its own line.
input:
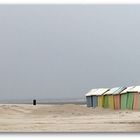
(105, 101)
(130, 100)
(99, 93)
(117, 98)
(126, 98)
(135, 92)
(89, 97)
(109, 98)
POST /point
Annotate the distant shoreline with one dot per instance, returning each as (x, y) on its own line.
(45, 102)
(50, 103)
(64, 103)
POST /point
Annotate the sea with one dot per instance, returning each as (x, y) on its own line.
(44, 101)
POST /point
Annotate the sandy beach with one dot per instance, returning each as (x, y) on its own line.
(66, 118)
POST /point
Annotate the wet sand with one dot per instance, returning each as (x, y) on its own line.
(66, 118)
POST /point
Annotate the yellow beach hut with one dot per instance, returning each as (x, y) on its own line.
(99, 93)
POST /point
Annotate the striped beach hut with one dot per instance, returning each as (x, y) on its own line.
(126, 98)
(117, 97)
(109, 98)
(89, 98)
(135, 92)
(100, 96)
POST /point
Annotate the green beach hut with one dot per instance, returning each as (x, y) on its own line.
(130, 100)
(126, 98)
(134, 98)
(109, 99)
(99, 93)
(105, 102)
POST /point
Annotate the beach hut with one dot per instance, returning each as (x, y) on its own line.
(89, 97)
(126, 98)
(130, 100)
(110, 99)
(99, 93)
(94, 101)
(117, 97)
(105, 102)
(135, 92)
(97, 98)
(94, 98)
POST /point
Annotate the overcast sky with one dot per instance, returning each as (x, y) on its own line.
(63, 51)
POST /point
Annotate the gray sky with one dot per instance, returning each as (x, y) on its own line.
(59, 51)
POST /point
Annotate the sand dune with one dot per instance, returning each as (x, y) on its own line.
(66, 118)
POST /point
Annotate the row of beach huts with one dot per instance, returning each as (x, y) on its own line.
(115, 98)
